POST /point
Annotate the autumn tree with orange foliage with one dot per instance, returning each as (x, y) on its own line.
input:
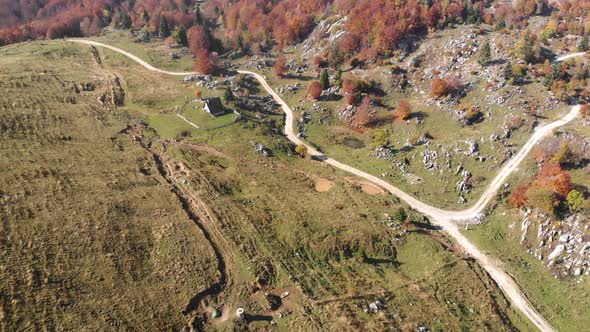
(364, 115)
(315, 90)
(198, 38)
(280, 66)
(439, 88)
(518, 196)
(554, 177)
(350, 86)
(404, 110)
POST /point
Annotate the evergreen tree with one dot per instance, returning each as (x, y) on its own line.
(325, 80)
(584, 46)
(338, 77)
(163, 29)
(228, 95)
(198, 16)
(485, 54)
(180, 36)
(335, 57)
(526, 48)
(125, 21)
(145, 16)
(508, 72)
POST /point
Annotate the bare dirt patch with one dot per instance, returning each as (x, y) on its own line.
(323, 185)
(371, 189)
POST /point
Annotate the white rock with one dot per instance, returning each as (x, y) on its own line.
(556, 252)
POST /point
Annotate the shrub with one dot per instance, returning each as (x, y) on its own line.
(301, 150)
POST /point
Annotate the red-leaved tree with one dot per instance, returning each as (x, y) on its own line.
(205, 62)
(280, 66)
(315, 89)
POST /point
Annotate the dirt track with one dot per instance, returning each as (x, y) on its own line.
(445, 219)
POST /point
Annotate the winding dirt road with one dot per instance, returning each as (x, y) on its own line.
(444, 219)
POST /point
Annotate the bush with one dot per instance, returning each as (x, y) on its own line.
(301, 150)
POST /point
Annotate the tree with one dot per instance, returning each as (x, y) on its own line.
(145, 17)
(584, 45)
(125, 21)
(335, 58)
(364, 115)
(228, 95)
(280, 66)
(301, 150)
(485, 54)
(404, 110)
(338, 78)
(563, 155)
(400, 215)
(198, 38)
(574, 200)
(198, 16)
(507, 72)
(163, 29)
(205, 63)
(325, 80)
(552, 176)
(543, 199)
(518, 197)
(439, 88)
(180, 36)
(315, 89)
(527, 48)
(381, 138)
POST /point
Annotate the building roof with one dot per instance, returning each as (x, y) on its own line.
(214, 106)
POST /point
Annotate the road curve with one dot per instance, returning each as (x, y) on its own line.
(444, 219)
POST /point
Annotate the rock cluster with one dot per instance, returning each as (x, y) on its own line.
(291, 88)
(429, 158)
(261, 149)
(564, 247)
(382, 152)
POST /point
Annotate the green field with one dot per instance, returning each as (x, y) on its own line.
(134, 200)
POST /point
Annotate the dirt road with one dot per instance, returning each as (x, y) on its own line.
(445, 219)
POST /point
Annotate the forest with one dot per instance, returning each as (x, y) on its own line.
(374, 28)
